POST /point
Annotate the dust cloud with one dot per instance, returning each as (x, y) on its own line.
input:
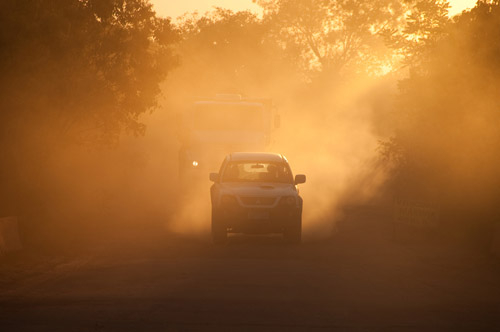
(333, 138)
(331, 124)
(68, 184)
(336, 145)
(329, 131)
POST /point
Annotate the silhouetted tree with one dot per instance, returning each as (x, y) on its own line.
(74, 71)
(81, 65)
(448, 131)
(425, 23)
(226, 51)
(332, 36)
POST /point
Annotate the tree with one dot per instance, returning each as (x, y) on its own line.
(74, 72)
(81, 65)
(226, 51)
(333, 36)
(424, 24)
(447, 135)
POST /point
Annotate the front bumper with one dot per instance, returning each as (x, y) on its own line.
(259, 220)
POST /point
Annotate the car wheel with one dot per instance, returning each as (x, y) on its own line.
(219, 229)
(293, 233)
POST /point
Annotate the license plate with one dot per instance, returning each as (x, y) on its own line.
(258, 215)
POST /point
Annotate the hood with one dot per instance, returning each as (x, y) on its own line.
(258, 189)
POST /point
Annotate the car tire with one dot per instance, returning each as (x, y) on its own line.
(293, 233)
(219, 229)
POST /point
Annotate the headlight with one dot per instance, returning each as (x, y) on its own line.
(288, 200)
(228, 200)
(195, 163)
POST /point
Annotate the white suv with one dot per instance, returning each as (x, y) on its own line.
(255, 193)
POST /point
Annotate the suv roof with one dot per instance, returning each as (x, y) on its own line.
(257, 156)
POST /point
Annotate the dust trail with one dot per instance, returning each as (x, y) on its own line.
(334, 141)
(336, 146)
(192, 215)
(330, 127)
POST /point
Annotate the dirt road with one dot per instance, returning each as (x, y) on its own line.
(359, 280)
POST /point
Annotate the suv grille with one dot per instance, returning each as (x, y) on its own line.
(258, 200)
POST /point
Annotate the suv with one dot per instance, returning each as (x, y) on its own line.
(255, 193)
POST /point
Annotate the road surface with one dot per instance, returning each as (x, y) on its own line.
(359, 280)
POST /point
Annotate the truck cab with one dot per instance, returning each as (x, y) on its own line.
(213, 127)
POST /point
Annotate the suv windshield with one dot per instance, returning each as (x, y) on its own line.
(251, 171)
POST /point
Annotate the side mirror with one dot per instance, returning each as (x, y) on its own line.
(214, 177)
(277, 121)
(300, 178)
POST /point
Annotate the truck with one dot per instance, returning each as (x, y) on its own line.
(211, 128)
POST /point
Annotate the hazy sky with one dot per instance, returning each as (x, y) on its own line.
(175, 8)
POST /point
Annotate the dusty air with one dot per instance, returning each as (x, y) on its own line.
(274, 165)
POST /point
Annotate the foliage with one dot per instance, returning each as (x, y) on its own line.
(87, 67)
(425, 23)
(74, 73)
(226, 51)
(448, 130)
(333, 36)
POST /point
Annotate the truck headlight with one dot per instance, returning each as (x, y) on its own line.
(195, 163)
